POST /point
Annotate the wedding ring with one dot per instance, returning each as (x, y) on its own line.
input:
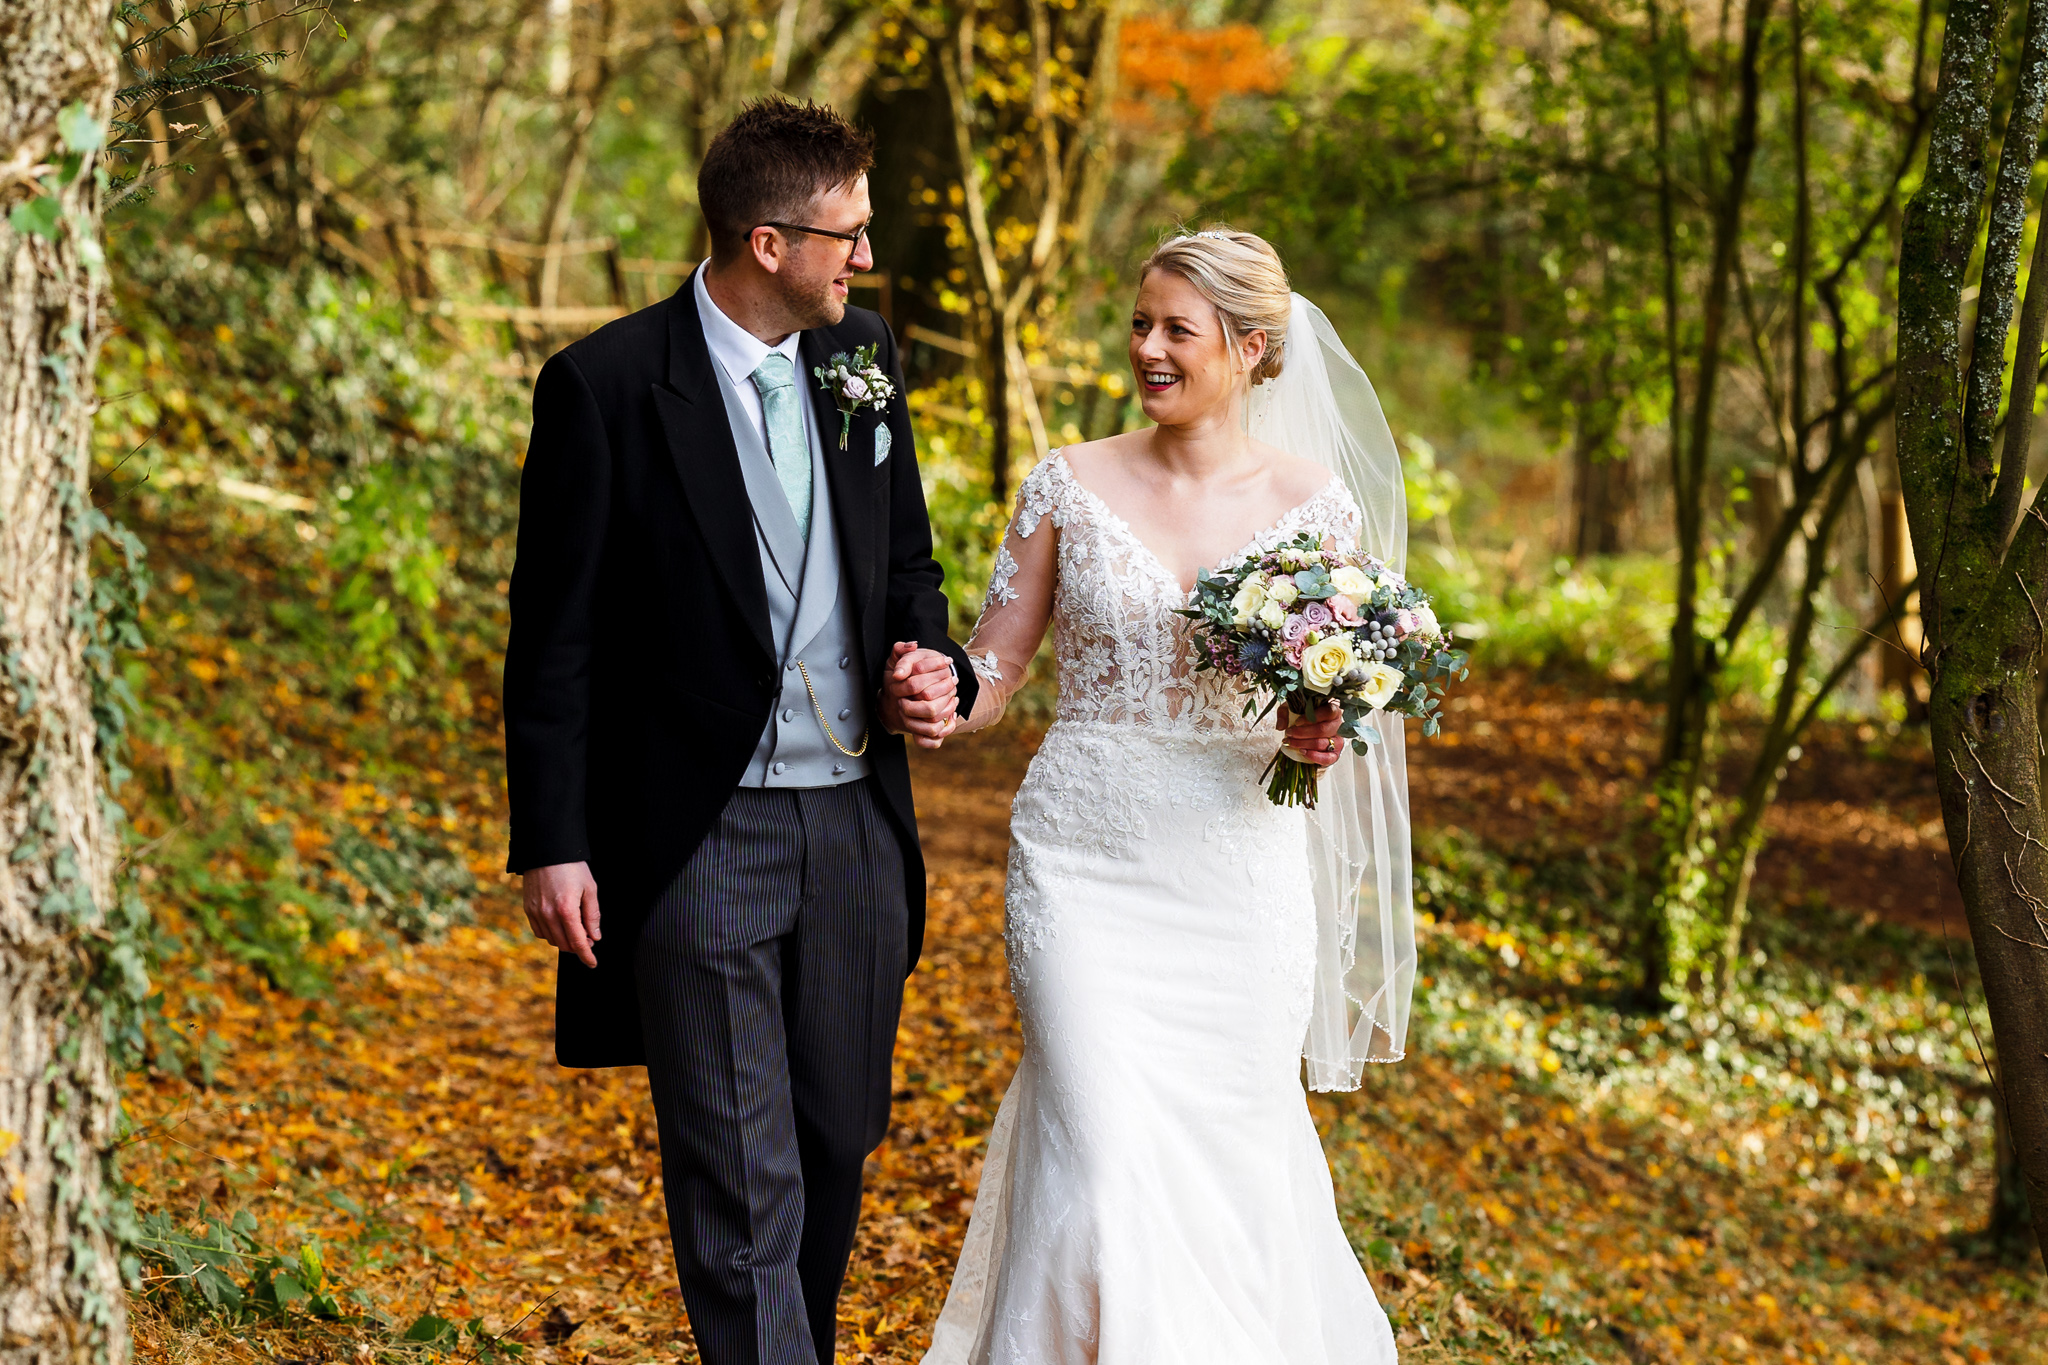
(1329, 744)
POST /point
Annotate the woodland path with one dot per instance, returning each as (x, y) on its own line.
(415, 1122)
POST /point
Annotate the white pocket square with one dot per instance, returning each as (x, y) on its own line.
(881, 442)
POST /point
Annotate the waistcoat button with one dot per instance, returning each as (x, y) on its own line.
(779, 768)
(846, 714)
(788, 714)
(845, 662)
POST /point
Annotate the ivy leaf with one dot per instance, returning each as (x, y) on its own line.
(82, 133)
(429, 1328)
(37, 218)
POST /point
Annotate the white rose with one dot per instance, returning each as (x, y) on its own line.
(1283, 591)
(1272, 615)
(1246, 604)
(1381, 685)
(1352, 581)
(1326, 661)
(1426, 622)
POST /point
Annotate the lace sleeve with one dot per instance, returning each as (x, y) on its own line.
(1019, 601)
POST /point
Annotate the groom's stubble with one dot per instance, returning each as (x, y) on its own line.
(807, 298)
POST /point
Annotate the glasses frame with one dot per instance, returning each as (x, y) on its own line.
(854, 237)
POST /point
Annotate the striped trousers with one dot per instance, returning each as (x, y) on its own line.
(770, 977)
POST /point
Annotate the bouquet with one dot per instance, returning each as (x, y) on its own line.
(1298, 625)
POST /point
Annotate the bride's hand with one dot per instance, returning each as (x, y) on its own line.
(919, 695)
(1315, 740)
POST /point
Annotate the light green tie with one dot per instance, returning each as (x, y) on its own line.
(787, 448)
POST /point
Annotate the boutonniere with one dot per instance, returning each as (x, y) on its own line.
(855, 382)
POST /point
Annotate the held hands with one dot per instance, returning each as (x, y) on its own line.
(1315, 740)
(561, 905)
(920, 695)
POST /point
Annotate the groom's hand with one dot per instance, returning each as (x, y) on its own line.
(561, 905)
(920, 695)
(1316, 739)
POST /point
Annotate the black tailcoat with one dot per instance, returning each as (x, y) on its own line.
(640, 673)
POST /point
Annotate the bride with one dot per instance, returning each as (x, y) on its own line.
(1154, 1190)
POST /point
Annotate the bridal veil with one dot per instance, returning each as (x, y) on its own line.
(1322, 407)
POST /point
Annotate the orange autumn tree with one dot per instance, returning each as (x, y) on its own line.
(1162, 63)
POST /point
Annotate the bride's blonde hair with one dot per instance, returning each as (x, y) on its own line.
(1240, 275)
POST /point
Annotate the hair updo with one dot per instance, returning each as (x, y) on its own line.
(1240, 275)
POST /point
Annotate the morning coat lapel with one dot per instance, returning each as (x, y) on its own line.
(700, 442)
(851, 478)
(772, 515)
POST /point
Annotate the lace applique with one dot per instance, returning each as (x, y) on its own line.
(1000, 593)
(1039, 496)
(987, 666)
(1123, 654)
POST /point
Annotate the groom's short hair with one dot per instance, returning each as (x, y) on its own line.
(771, 163)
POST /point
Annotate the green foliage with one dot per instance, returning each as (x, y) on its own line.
(967, 523)
(218, 1266)
(302, 378)
(1604, 620)
(172, 52)
(327, 494)
(216, 1262)
(1848, 1032)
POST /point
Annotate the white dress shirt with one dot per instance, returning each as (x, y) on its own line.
(739, 353)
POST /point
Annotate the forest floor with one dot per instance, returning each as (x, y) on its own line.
(412, 1124)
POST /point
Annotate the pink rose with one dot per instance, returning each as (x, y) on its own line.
(1406, 621)
(1346, 611)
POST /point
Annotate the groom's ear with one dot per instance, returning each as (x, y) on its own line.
(766, 246)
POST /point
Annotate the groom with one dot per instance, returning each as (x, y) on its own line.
(725, 618)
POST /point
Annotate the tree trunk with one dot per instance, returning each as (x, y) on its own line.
(998, 382)
(1673, 943)
(1979, 600)
(2011, 1231)
(61, 1297)
(1602, 489)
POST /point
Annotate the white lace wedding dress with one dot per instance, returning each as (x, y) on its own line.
(1154, 1190)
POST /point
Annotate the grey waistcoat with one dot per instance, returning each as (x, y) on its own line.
(810, 619)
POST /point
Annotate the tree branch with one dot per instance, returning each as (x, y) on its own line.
(2008, 228)
(2019, 409)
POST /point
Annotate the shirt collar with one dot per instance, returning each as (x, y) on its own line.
(738, 352)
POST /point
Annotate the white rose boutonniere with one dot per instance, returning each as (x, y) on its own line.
(855, 382)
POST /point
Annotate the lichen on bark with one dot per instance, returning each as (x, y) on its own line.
(65, 951)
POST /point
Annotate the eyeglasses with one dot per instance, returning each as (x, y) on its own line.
(855, 237)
